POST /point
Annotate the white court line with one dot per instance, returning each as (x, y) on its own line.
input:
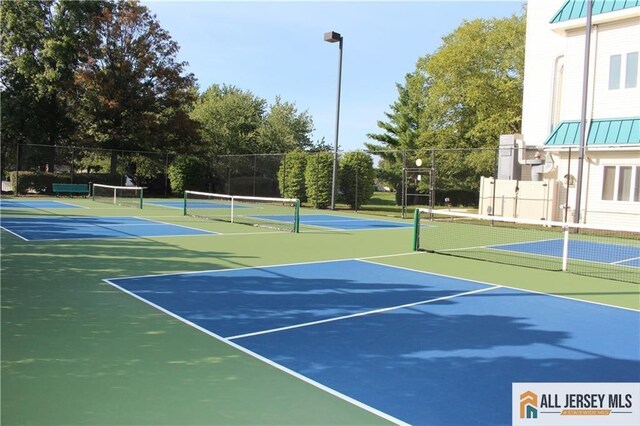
(13, 233)
(69, 204)
(124, 237)
(315, 262)
(367, 259)
(361, 314)
(631, 259)
(159, 222)
(524, 290)
(299, 376)
(267, 361)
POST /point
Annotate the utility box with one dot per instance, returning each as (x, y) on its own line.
(508, 165)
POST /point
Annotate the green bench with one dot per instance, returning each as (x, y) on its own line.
(70, 188)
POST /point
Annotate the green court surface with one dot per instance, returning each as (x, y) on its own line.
(77, 351)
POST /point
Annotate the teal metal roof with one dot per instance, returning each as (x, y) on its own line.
(620, 131)
(574, 9)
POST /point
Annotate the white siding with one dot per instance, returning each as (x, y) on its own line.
(594, 210)
(613, 33)
(616, 38)
(542, 48)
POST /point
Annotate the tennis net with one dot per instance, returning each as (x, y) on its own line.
(276, 213)
(131, 196)
(609, 253)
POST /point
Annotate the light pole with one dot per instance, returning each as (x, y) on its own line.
(333, 37)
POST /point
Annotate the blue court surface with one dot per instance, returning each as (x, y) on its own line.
(83, 227)
(419, 347)
(35, 204)
(590, 251)
(345, 223)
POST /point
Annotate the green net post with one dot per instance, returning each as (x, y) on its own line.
(416, 229)
(141, 196)
(296, 219)
(184, 204)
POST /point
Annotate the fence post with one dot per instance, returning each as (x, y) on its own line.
(166, 174)
(16, 192)
(73, 160)
(255, 159)
(357, 173)
(403, 194)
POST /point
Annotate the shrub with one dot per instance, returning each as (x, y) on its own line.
(318, 177)
(291, 175)
(188, 173)
(356, 178)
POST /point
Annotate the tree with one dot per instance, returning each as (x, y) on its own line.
(133, 94)
(99, 73)
(356, 178)
(229, 119)
(284, 129)
(401, 131)
(39, 53)
(475, 94)
(460, 98)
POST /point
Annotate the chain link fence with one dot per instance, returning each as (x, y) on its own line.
(390, 182)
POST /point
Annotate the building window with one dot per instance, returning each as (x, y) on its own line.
(621, 183)
(636, 196)
(630, 69)
(631, 77)
(624, 183)
(608, 183)
(614, 71)
(556, 103)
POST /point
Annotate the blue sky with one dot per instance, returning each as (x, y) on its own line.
(277, 48)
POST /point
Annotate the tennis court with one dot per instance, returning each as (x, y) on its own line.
(83, 227)
(35, 204)
(326, 221)
(626, 255)
(337, 222)
(224, 323)
(419, 334)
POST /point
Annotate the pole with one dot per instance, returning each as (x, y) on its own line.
(15, 183)
(335, 146)
(583, 114)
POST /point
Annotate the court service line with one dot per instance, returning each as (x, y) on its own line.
(361, 314)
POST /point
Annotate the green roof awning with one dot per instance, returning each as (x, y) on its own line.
(574, 9)
(620, 131)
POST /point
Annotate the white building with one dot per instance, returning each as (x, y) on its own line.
(552, 105)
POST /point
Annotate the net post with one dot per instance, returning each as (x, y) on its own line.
(232, 200)
(184, 205)
(296, 219)
(141, 197)
(565, 248)
(416, 229)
